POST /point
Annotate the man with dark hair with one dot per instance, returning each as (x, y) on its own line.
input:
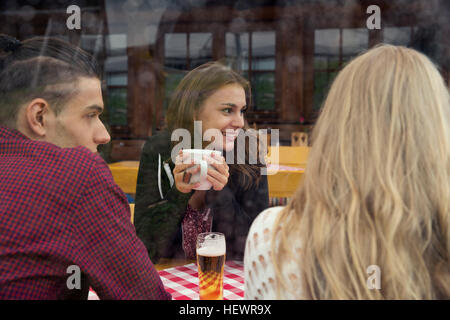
(60, 210)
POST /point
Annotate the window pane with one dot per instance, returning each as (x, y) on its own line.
(237, 49)
(116, 44)
(326, 63)
(263, 87)
(354, 41)
(175, 51)
(326, 42)
(117, 79)
(263, 50)
(320, 62)
(92, 43)
(175, 60)
(200, 49)
(171, 82)
(400, 36)
(117, 106)
(326, 49)
(322, 82)
(116, 64)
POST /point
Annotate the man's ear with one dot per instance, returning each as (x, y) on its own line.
(35, 112)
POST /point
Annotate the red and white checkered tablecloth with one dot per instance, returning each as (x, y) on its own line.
(182, 282)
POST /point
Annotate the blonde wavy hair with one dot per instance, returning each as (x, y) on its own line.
(377, 186)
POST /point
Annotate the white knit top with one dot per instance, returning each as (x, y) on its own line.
(259, 270)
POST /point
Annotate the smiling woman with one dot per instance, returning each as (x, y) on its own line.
(169, 211)
(228, 117)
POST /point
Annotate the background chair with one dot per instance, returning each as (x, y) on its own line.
(292, 163)
(125, 175)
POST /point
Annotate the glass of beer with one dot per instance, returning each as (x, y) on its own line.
(211, 250)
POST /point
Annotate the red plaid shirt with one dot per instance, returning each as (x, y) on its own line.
(61, 207)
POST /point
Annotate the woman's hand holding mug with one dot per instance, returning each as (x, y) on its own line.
(183, 171)
(218, 176)
(211, 170)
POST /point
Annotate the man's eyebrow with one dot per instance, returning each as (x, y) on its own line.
(95, 108)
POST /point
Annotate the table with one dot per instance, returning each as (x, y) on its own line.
(182, 281)
(292, 162)
(285, 181)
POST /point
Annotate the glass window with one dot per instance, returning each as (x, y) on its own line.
(182, 53)
(116, 78)
(116, 44)
(354, 41)
(263, 86)
(92, 43)
(259, 68)
(119, 79)
(263, 71)
(326, 42)
(117, 106)
(400, 36)
(172, 80)
(237, 50)
(332, 49)
(116, 64)
(200, 49)
(175, 51)
(326, 62)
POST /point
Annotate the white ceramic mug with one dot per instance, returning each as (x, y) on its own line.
(197, 156)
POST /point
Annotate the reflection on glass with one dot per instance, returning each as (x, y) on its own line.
(178, 59)
(261, 44)
(326, 60)
(263, 51)
(332, 49)
(175, 51)
(172, 80)
(156, 34)
(326, 42)
(119, 79)
(176, 54)
(354, 41)
(116, 44)
(322, 81)
(116, 78)
(116, 64)
(400, 36)
(237, 49)
(92, 43)
(117, 106)
(200, 49)
(263, 70)
(263, 85)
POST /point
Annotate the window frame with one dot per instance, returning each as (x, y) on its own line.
(219, 54)
(252, 113)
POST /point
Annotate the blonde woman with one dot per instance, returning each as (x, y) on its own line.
(372, 218)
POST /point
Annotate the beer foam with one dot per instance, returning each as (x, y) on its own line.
(211, 251)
